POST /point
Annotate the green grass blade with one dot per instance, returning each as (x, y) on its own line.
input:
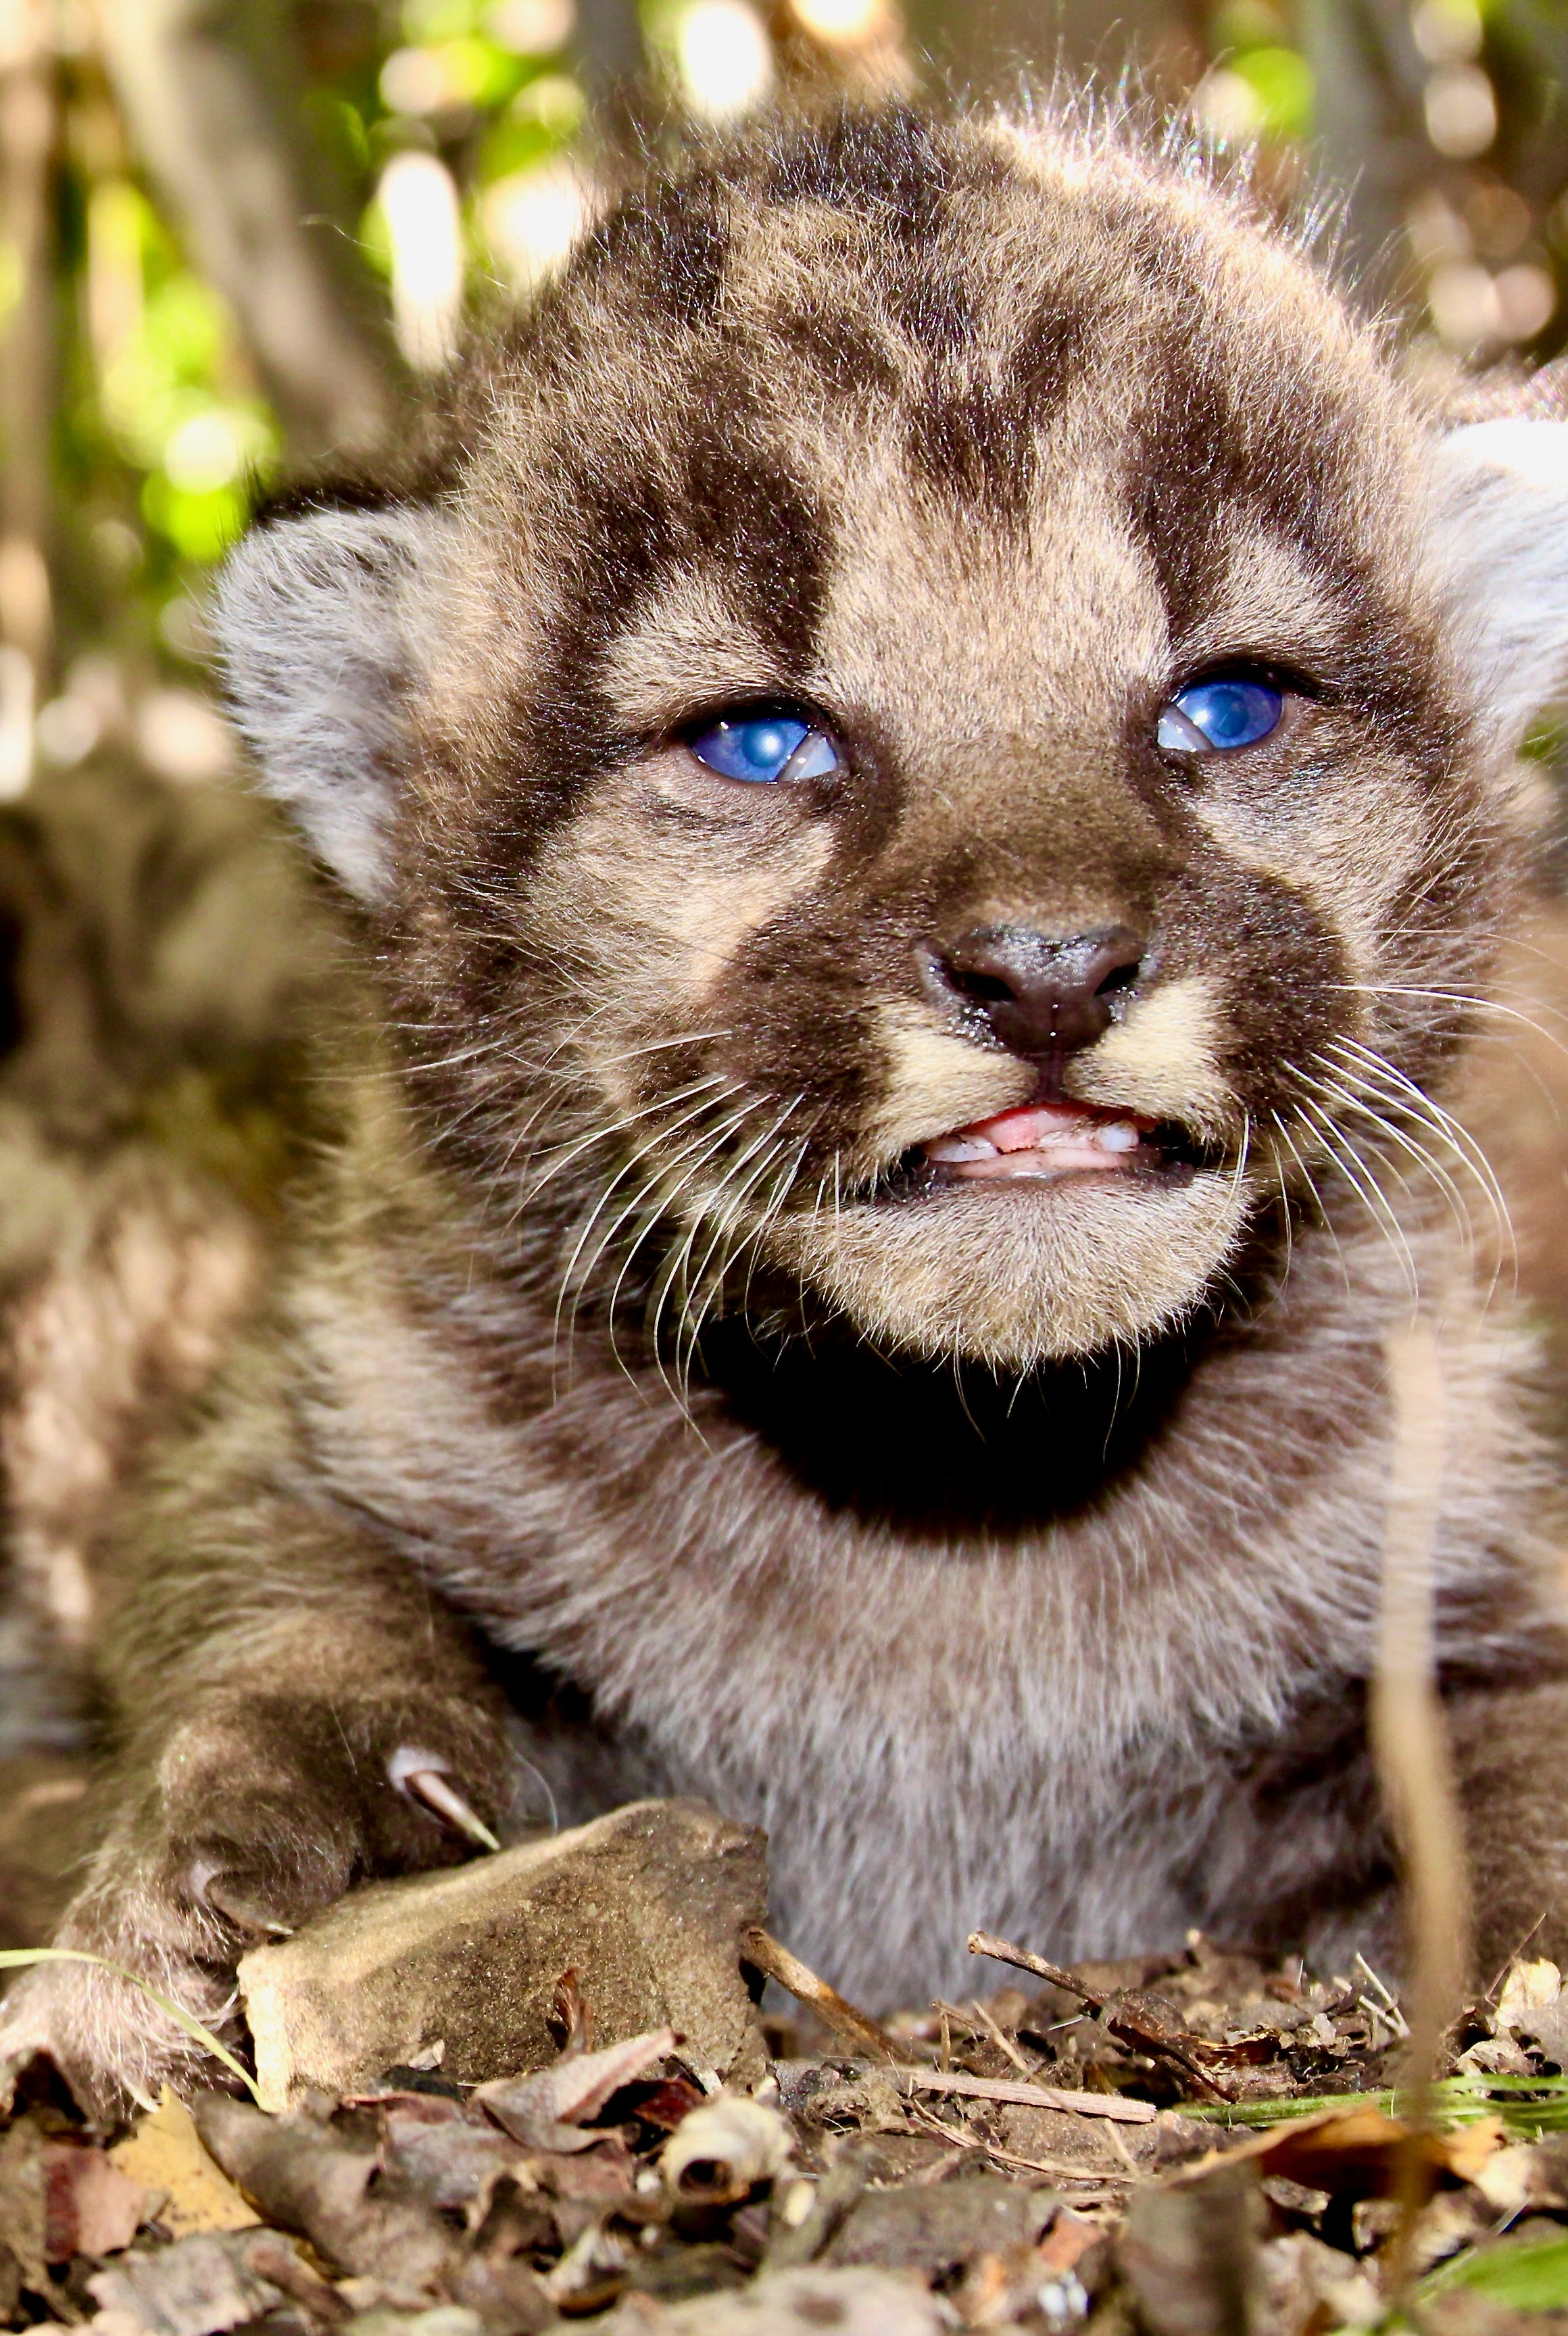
(16, 1957)
(1528, 2106)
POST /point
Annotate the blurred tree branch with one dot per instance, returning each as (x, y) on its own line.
(1369, 144)
(207, 88)
(27, 383)
(612, 63)
(984, 45)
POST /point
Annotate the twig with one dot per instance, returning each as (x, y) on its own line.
(1117, 2106)
(1002, 1951)
(998, 2036)
(1140, 2034)
(1496, 1984)
(1379, 2018)
(1397, 2025)
(1058, 2168)
(856, 2028)
(1410, 1745)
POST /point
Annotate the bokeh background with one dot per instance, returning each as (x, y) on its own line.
(237, 238)
(234, 232)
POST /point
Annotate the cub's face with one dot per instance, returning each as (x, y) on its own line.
(926, 733)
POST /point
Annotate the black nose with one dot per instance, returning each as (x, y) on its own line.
(1041, 996)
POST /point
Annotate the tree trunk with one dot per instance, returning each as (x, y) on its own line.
(27, 354)
(208, 90)
(612, 64)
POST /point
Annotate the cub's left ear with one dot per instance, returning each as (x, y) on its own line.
(322, 620)
(1499, 534)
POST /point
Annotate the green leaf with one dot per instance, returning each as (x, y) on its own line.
(18, 1958)
(201, 523)
(1282, 82)
(1531, 2275)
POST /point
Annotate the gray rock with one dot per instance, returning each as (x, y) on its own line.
(645, 1904)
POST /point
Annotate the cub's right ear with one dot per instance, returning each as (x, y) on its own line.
(316, 627)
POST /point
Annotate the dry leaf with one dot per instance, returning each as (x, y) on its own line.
(448, 2162)
(1534, 2005)
(937, 2229)
(1528, 1987)
(1189, 2251)
(546, 2109)
(90, 2207)
(22, 2217)
(166, 2155)
(853, 2300)
(724, 2148)
(307, 2177)
(200, 2286)
(1356, 2153)
(1468, 2149)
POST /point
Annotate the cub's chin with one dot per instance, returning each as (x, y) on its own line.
(1022, 1270)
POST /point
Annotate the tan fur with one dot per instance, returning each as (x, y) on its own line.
(1164, 1058)
(644, 1410)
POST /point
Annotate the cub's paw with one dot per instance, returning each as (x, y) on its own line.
(113, 2044)
(269, 1807)
(260, 1810)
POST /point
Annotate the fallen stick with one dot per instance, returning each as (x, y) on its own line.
(1002, 1951)
(857, 2028)
(1014, 2089)
(1126, 2016)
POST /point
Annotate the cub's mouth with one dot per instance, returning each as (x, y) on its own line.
(1046, 1143)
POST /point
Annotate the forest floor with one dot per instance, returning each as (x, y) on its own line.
(1201, 2146)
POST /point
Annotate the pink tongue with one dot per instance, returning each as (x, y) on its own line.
(1032, 1126)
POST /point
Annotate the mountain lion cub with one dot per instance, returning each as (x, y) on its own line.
(925, 758)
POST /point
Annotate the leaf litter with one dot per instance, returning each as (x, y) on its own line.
(1203, 2144)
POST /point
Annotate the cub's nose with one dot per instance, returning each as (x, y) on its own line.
(1041, 996)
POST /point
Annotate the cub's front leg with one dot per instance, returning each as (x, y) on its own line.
(270, 1757)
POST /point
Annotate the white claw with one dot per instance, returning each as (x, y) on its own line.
(419, 1775)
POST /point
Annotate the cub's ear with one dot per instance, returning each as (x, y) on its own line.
(1499, 521)
(316, 629)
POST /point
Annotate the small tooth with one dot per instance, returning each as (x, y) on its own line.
(1119, 1136)
(960, 1147)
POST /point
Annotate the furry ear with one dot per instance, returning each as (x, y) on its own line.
(1500, 532)
(315, 630)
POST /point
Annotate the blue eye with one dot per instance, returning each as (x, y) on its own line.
(766, 747)
(1219, 715)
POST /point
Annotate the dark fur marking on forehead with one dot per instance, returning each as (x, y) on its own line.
(847, 353)
(978, 440)
(748, 506)
(973, 445)
(932, 308)
(670, 244)
(892, 161)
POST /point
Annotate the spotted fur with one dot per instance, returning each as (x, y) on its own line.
(635, 1405)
